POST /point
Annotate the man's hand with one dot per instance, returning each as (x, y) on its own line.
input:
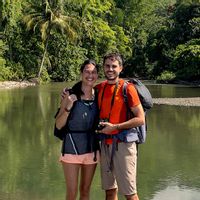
(108, 127)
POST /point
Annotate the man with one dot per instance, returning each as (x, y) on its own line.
(118, 159)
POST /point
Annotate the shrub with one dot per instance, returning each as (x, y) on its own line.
(5, 73)
(187, 61)
(166, 76)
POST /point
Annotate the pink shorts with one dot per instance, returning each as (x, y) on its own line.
(85, 159)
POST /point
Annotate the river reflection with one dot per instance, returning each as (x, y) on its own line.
(177, 193)
(170, 156)
(169, 165)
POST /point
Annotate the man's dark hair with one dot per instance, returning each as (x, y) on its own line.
(115, 56)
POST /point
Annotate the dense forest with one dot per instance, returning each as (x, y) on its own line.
(49, 39)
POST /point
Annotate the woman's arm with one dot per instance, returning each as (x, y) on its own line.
(65, 107)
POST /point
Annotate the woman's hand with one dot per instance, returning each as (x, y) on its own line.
(65, 107)
(64, 93)
(68, 101)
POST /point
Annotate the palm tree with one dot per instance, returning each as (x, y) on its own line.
(48, 17)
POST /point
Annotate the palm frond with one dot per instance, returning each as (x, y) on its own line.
(45, 30)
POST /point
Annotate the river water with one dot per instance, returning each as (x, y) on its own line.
(168, 163)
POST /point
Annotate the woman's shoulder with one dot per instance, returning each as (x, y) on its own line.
(101, 83)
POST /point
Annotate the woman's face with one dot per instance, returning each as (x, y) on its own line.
(89, 75)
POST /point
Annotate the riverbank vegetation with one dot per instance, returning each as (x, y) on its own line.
(49, 39)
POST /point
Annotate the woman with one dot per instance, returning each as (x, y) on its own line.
(78, 116)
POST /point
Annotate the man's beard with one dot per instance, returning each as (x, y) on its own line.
(111, 78)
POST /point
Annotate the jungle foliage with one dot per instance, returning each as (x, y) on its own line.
(49, 39)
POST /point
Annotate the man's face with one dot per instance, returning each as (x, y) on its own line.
(112, 69)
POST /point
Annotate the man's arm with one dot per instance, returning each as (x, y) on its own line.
(137, 120)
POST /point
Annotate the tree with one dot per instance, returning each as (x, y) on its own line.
(187, 60)
(10, 13)
(48, 17)
(101, 35)
(166, 46)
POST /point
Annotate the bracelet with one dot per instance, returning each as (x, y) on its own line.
(67, 110)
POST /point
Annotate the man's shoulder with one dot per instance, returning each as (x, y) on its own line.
(129, 86)
(129, 89)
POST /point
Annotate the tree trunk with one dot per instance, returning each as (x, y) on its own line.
(43, 59)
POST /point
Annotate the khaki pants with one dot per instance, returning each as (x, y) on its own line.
(123, 173)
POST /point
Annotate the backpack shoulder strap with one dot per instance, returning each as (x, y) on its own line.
(124, 92)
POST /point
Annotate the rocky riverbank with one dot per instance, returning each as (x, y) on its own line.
(192, 101)
(15, 84)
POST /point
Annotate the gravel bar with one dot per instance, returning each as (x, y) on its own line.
(15, 84)
(189, 101)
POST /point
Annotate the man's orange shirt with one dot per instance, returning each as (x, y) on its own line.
(118, 112)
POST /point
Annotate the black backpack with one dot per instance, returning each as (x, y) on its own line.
(146, 101)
